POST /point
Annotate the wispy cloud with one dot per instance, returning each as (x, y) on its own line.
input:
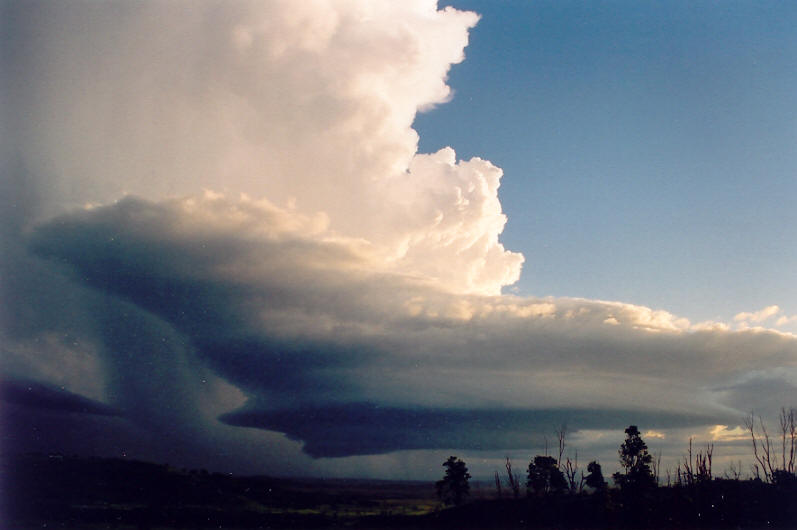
(786, 320)
(746, 320)
(758, 316)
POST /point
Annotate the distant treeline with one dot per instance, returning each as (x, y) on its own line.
(555, 493)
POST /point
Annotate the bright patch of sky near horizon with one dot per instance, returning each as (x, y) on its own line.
(649, 150)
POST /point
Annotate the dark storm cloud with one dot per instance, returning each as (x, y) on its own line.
(764, 392)
(41, 396)
(28, 429)
(353, 362)
(128, 251)
(365, 428)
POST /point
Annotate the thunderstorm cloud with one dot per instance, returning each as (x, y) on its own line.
(221, 245)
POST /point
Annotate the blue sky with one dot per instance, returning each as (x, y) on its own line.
(649, 149)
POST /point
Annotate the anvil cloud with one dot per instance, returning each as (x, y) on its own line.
(219, 232)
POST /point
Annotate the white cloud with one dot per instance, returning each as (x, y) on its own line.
(709, 325)
(307, 104)
(724, 434)
(757, 316)
(786, 320)
(654, 434)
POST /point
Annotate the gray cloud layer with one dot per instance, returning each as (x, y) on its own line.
(351, 361)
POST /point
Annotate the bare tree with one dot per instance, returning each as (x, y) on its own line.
(764, 449)
(561, 435)
(571, 470)
(687, 475)
(756, 471)
(568, 466)
(696, 466)
(703, 462)
(734, 471)
(656, 466)
(512, 479)
(762, 455)
(788, 435)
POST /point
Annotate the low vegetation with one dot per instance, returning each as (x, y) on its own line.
(558, 495)
(91, 493)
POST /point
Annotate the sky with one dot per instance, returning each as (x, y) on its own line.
(352, 238)
(648, 150)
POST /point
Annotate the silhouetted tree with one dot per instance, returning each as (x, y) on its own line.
(696, 468)
(637, 482)
(454, 487)
(512, 479)
(765, 449)
(571, 471)
(544, 476)
(561, 436)
(636, 460)
(595, 478)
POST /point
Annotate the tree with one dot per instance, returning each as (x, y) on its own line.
(638, 482)
(570, 470)
(595, 478)
(765, 449)
(512, 479)
(454, 487)
(636, 460)
(696, 468)
(544, 476)
(568, 466)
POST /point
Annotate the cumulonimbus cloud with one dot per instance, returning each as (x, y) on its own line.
(329, 282)
(314, 333)
(307, 105)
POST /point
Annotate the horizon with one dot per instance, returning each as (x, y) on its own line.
(350, 240)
